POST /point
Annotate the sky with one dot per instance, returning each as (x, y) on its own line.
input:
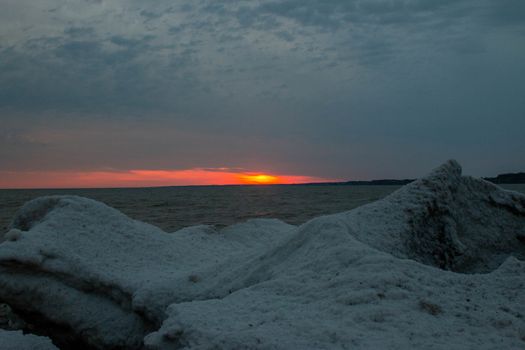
(126, 92)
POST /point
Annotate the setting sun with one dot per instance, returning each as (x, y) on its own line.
(260, 179)
(147, 178)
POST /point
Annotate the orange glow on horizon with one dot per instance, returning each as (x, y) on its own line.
(259, 179)
(145, 178)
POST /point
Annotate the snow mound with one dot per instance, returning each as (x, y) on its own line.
(108, 279)
(362, 299)
(446, 220)
(16, 340)
(437, 264)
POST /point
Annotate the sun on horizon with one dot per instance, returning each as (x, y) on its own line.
(146, 178)
(259, 179)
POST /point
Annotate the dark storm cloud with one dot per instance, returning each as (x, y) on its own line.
(150, 15)
(333, 15)
(80, 51)
(81, 71)
(79, 31)
(507, 12)
(317, 86)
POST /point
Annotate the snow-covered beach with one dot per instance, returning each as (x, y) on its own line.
(438, 264)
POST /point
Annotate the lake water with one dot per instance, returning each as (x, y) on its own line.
(172, 208)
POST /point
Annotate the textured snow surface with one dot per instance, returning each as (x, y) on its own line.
(16, 340)
(438, 264)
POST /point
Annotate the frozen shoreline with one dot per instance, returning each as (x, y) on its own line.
(437, 264)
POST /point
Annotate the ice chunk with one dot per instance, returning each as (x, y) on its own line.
(445, 220)
(16, 340)
(110, 278)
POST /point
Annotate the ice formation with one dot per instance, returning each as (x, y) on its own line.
(16, 340)
(437, 264)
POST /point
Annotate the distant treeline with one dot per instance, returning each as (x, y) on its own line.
(384, 182)
(513, 178)
(516, 178)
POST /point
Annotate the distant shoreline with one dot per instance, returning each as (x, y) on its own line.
(382, 182)
(501, 179)
(510, 178)
(507, 179)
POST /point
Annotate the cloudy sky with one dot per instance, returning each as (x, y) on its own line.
(323, 89)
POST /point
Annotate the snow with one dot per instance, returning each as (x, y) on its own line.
(16, 340)
(111, 278)
(438, 264)
(445, 220)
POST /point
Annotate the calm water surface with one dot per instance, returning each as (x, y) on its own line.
(172, 208)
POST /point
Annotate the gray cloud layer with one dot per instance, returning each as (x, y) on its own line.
(335, 88)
